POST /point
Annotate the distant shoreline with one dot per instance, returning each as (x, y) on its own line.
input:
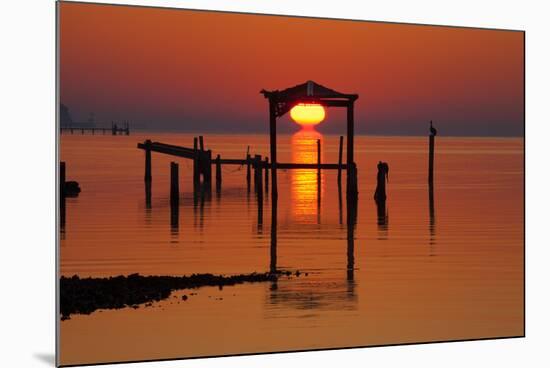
(206, 134)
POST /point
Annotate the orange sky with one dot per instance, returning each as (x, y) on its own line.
(202, 71)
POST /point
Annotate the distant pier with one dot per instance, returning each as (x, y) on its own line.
(114, 129)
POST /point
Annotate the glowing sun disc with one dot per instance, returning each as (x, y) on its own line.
(307, 114)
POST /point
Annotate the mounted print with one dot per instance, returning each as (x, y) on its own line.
(237, 183)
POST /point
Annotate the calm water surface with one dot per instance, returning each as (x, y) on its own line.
(409, 272)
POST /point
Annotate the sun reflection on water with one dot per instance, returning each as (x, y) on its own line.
(305, 183)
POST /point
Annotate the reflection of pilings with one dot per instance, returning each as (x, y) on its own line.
(273, 248)
(340, 215)
(351, 222)
(174, 198)
(318, 181)
(381, 220)
(382, 216)
(201, 208)
(431, 160)
(148, 194)
(432, 216)
(174, 220)
(174, 184)
(200, 196)
(340, 149)
(256, 163)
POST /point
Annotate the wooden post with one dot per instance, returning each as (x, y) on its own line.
(381, 177)
(174, 184)
(218, 173)
(318, 157)
(248, 172)
(148, 176)
(352, 188)
(273, 148)
(350, 133)
(259, 188)
(196, 165)
(201, 140)
(340, 149)
(266, 168)
(431, 160)
(258, 173)
(62, 179)
(351, 168)
(208, 169)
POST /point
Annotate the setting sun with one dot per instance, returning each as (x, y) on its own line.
(307, 114)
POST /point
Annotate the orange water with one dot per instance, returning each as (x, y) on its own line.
(453, 272)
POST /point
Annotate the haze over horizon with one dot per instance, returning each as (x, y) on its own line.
(189, 71)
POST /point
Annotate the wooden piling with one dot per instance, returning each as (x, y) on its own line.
(201, 141)
(431, 159)
(350, 133)
(266, 168)
(174, 184)
(273, 147)
(196, 165)
(218, 173)
(248, 171)
(258, 187)
(148, 176)
(381, 177)
(340, 150)
(318, 157)
(207, 169)
(351, 186)
(62, 180)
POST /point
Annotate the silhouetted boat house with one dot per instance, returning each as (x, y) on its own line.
(281, 102)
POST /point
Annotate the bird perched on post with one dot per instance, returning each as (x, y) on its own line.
(433, 131)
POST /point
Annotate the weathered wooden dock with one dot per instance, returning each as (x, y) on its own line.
(203, 162)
